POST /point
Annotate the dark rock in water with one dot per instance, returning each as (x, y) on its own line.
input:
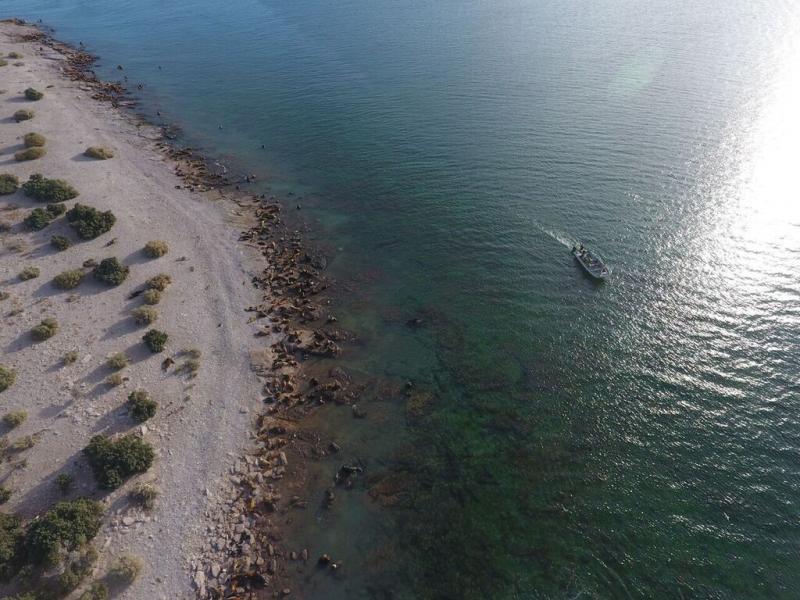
(324, 560)
(359, 413)
(334, 447)
(330, 496)
(415, 322)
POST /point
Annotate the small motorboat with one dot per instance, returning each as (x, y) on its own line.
(591, 262)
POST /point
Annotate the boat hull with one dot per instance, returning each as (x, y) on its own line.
(597, 270)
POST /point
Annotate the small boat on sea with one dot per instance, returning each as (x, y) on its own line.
(591, 262)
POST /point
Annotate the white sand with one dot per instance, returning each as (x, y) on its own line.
(201, 424)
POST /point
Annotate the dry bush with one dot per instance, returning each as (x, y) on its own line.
(144, 315)
(99, 152)
(156, 248)
(118, 361)
(159, 282)
(23, 114)
(34, 140)
(151, 297)
(33, 94)
(15, 418)
(8, 184)
(68, 279)
(7, 377)
(45, 330)
(29, 154)
(29, 272)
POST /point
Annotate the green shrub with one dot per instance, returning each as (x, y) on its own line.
(5, 494)
(113, 461)
(7, 377)
(3, 63)
(125, 569)
(68, 526)
(99, 152)
(159, 282)
(111, 271)
(77, 570)
(151, 297)
(45, 330)
(29, 272)
(97, 591)
(34, 140)
(89, 222)
(144, 494)
(70, 357)
(8, 184)
(43, 189)
(6, 296)
(64, 482)
(156, 248)
(23, 114)
(14, 55)
(14, 418)
(141, 406)
(33, 94)
(29, 154)
(144, 315)
(118, 361)
(155, 340)
(38, 219)
(68, 279)
(11, 537)
(60, 242)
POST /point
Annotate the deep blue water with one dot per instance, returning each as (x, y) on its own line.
(565, 439)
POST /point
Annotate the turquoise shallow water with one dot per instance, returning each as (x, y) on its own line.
(637, 439)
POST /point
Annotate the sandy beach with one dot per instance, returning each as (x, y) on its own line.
(202, 421)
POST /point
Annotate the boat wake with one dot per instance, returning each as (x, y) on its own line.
(558, 236)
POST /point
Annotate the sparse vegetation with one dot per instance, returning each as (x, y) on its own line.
(88, 222)
(29, 154)
(192, 352)
(26, 442)
(4, 296)
(33, 94)
(115, 379)
(3, 63)
(141, 406)
(68, 526)
(118, 361)
(111, 271)
(7, 377)
(125, 569)
(159, 282)
(34, 140)
(43, 189)
(144, 315)
(99, 152)
(14, 55)
(156, 248)
(189, 367)
(24, 114)
(5, 494)
(77, 570)
(68, 280)
(8, 184)
(60, 242)
(97, 591)
(144, 494)
(151, 297)
(155, 340)
(45, 330)
(14, 418)
(113, 461)
(70, 357)
(29, 272)
(64, 482)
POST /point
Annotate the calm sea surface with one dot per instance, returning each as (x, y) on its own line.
(636, 439)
